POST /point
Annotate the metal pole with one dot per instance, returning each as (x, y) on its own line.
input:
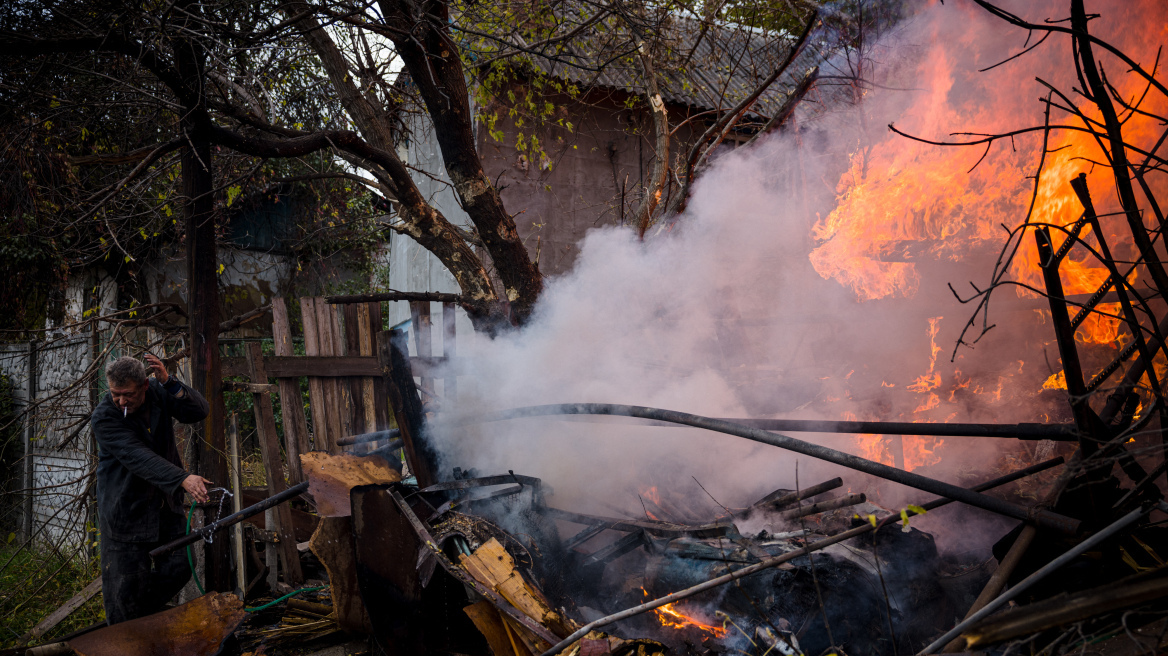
(29, 436)
(236, 505)
(231, 519)
(1041, 517)
(1029, 581)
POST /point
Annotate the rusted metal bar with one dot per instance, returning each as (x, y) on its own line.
(435, 297)
(779, 560)
(1043, 518)
(230, 520)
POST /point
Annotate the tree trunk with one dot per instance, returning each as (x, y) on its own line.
(203, 295)
(431, 58)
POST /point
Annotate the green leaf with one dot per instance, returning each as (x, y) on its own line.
(11, 537)
(233, 193)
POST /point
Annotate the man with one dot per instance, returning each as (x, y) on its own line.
(140, 482)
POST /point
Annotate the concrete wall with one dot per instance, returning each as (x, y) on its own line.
(61, 449)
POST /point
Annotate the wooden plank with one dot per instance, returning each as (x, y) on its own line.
(273, 467)
(315, 385)
(291, 400)
(353, 347)
(56, 617)
(449, 351)
(344, 389)
(487, 620)
(254, 388)
(332, 398)
(332, 543)
(365, 348)
(422, 327)
(380, 397)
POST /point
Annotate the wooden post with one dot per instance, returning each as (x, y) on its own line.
(380, 395)
(449, 352)
(353, 388)
(198, 193)
(291, 403)
(316, 395)
(407, 407)
(273, 467)
(423, 341)
(896, 445)
(236, 505)
(331, 410)
(344, 415)
(29, 519)
(365, 332)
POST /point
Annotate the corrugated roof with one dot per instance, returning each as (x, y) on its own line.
(701, 65)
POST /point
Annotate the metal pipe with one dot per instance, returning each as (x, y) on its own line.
(1024, 431)
(1115, 527)
(368, 437)
(1039, 516)
(779, 560)
(236, 503)
(231, 520)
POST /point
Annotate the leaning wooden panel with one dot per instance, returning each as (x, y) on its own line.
(291, 402)
(380, 397)
(344, 393)
(332, 543)
(316, 395)
(273, 467)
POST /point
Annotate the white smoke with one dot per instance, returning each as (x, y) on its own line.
(723, 315)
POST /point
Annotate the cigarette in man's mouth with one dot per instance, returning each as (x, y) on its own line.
(125, 411)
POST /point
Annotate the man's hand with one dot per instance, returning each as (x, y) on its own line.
(157, 368)
(196, 486)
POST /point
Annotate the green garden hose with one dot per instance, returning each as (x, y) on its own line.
(199, 584)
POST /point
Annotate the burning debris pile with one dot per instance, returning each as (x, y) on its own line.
(434, 559)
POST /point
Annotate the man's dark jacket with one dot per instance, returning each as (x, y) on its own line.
(139, 471)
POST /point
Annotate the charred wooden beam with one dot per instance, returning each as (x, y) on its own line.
(407, 406)
(662, 529)
(784, 497)
(1042, 517)
(1065, 609)
(1085, 417)
(617, 549)
(824, 506)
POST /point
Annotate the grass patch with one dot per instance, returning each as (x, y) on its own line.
(35, 583)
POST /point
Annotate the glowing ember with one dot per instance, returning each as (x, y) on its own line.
(671, 617)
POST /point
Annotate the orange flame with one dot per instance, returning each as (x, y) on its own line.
(671, 617)
(901, 202)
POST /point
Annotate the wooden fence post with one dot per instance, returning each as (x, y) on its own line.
(421, 325)
(291, 403)
(316, 395)
(273, 467)
(449, 353)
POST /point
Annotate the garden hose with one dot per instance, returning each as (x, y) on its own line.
(199, 584)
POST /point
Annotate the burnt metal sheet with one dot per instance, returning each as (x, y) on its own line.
(195, 628)
(407, 616)
(331, 477)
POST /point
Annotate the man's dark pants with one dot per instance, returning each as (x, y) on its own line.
(134, 585)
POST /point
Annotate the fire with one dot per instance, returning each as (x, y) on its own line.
(671, 617)
(903, 202)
